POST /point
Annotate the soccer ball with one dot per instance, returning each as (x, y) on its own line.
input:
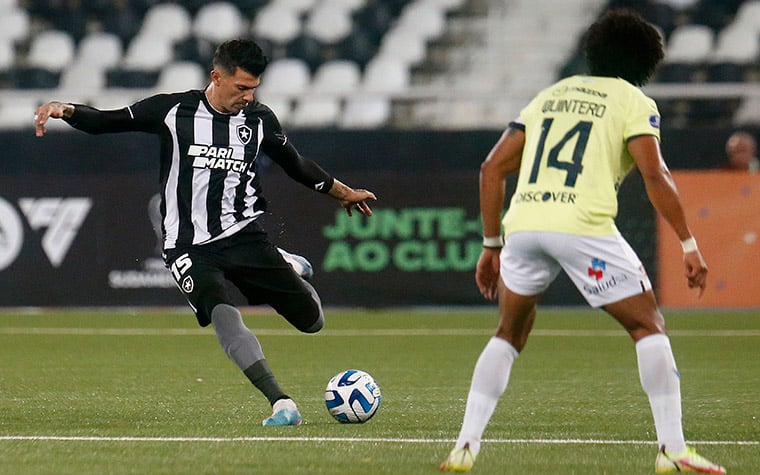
(352, 396)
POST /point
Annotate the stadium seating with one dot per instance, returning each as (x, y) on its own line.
(316, 111)
(100, 49)
(747, 113)
(336, 77)
(350, 53)
(748, 14)
(689, 44)
(14, 24)
(170, 21)
(328, 23)
(405, 45)
(276, 24)
(737, 43)
(706, 42)
(7, 55)
(81, 79)
(218, 21)
(366, 112)
(181, 76)
(423, 18)
(287, 77)
(385, 75)
(16, 112)
(300, 6)
(148, 53)
(52, 50)
(282, 107)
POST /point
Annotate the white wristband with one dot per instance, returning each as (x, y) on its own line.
(689, 245)
(493, 242)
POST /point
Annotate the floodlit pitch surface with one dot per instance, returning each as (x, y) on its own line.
(120, 391)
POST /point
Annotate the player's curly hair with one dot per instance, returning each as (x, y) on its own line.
(622, 44)
(240, 53)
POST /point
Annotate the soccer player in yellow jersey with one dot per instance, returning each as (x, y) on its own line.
(571, 147)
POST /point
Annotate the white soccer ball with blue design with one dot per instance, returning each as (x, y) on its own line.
(352, 396)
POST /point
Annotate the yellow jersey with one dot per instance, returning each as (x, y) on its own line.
(575, 154)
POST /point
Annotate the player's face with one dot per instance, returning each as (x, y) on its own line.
(235, 91)
(740, 151)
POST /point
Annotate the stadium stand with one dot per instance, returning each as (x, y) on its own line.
(100, 49)
(218, 21)
(366, 112)
(385, 75)
(288, 77)
(14, 111)
(181, 76)
(171, 21)
(711, 70)
(336, 77)
(276, 25)
(14, 24)
(316, 111)
(447, 63)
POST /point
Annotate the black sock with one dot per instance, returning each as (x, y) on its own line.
(261, 377)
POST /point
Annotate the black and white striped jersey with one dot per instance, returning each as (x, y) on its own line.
(210, 186)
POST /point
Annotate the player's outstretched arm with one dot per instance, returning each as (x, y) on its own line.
(662, 192)
(54, 109)
(350, 198)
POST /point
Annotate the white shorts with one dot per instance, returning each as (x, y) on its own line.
(604, 269)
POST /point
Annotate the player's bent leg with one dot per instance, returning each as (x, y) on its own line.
(638, 314)
(517, 313)
(319, 322)
(200, 281)
(238, 342)
(300, 305)
(244, 349)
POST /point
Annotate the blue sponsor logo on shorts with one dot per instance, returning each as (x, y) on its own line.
(596, 269)
(602, 281)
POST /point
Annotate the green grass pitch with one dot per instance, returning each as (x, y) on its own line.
(149, 392)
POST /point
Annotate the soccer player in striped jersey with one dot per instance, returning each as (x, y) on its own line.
(211, 198)
(571, 147)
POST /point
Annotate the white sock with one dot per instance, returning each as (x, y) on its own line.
(489, 381)
(284, 404)
(662, 384)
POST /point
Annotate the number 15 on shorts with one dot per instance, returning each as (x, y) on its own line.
(180, 266)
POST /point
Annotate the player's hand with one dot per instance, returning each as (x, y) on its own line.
(695, 271)
(487, 273)
(53, 109)
(357, 199)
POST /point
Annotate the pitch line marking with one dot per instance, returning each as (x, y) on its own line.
(62, 438)
(354, 333)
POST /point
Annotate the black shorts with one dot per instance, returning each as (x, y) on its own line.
(251, 263)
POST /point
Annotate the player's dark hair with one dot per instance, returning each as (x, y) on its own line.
(240, 53)
(622, 44)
